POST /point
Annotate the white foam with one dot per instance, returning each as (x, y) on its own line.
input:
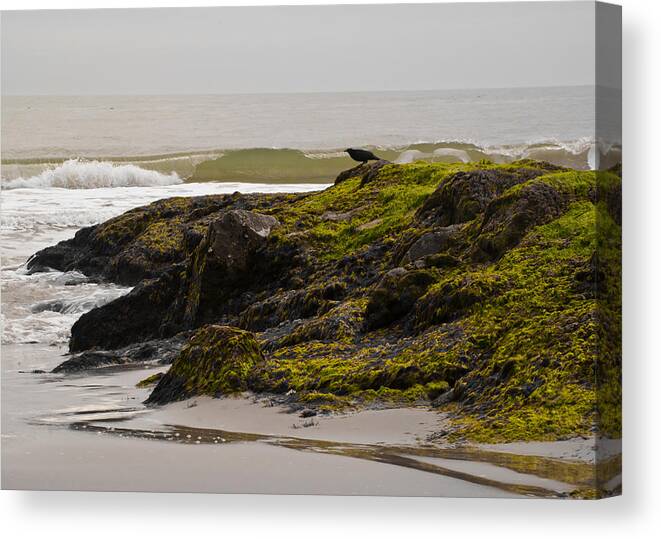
(80, 174)
(49, 320)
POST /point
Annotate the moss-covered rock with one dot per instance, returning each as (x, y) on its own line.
(493, 290)
(218, 360)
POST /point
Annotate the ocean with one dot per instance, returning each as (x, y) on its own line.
(71, 141)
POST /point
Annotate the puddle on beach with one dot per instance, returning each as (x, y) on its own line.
(540, 474)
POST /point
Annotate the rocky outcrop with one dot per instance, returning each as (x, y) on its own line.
(476, 284)
(437, 241)
(143, 242)
(218, 360)
(222, 260)
(465, 195)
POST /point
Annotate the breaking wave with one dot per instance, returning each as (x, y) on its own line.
(82, 174)
(285, 165)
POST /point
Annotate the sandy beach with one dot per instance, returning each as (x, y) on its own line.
(91, 432)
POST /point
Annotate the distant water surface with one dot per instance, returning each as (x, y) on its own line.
(197, 136)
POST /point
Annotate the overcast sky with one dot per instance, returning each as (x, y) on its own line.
(297, 49)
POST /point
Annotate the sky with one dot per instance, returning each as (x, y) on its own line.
(297, 49)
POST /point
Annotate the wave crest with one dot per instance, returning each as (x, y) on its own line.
(81, 174)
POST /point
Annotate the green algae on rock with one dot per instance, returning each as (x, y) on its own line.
(217, 360)
(492, 290)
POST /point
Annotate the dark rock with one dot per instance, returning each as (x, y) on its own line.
(455, 298)
(290, 305)
(337, 217)
(151, 381)
(235, 236)
(444, 399)
(340, 324)
(441, 260)
(134, 317)
(224, 263)
(159, 351)
(143, 242)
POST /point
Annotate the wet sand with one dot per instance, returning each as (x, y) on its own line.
(92, 432)
(584, 449)
(41, 451)
(399, 426)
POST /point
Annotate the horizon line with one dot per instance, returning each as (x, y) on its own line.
(310, 92)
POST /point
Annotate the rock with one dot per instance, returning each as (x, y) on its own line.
(291, 305)
(367, 171)
(427, 276)
(143, 242)
(441, 260)
(369, 225)
(465, 195)
(454, 298)
(64, 256)
(217, 360)
(395, 295)
(443, 399)
(150, 380)
(431, 243)
(507, 219)
(157, 351)
(341, 323)
(396, 273)
(337, 217)
(307, 413)
(135, 317)
(223, 263)
(234, 237)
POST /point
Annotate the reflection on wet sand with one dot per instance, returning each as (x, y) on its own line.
(571, 478)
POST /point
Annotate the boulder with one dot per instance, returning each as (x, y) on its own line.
(145, 241)
(128, 319)
(216, 361)
(509, 218)
(226, 260)
(454, 297)
(235, 236)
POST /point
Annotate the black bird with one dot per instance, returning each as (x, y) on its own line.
(362, 156)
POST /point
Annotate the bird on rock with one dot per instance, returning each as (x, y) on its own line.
(362, 156)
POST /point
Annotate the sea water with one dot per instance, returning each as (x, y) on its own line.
(296, 137)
